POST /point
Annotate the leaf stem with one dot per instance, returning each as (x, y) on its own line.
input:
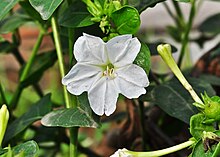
(33, 55)
(162, 151)
(26, 70)
(2, 94)
(60, 57)
(73, 131)
(186, 33)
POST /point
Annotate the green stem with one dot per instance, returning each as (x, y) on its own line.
(2, 94)
(73, 141)
(33, 55)
(60, 57)
(26, 70)
(186, 33)
(73, 131)
(162, 151)
(178, 11)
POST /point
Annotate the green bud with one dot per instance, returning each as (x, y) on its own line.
(212, 107)
(92, 8)
(117, 5)
(4, 116)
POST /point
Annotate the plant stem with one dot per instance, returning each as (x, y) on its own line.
(26, 70)
(60, 57)
(2, 94)
(73, 131)
(162, 151)
(33, 55)
(186, 33)
(73, 141)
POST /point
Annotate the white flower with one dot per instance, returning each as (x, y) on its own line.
(121, 153)
(105, 70)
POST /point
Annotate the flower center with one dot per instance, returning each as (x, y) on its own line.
(109, 71)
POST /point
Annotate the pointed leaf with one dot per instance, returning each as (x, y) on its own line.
(31, 11)
(45, 7)
(36, 112)
(75, 16)
(28, 149)
(173, 98)
(81, 116)
(6, 6)
(126, 20)
(141, 5)
(13, 22)
(143, 58)
(211, 25)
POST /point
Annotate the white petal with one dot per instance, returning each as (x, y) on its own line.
(134, 74)
(121, 153)
(103, 96)
(81, 71)
(78, 87)
(122, 50)
(110, 97)
(129, 89)
(88, 48)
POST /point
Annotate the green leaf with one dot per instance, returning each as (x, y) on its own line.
(141, 5)
(41, 63)
(6, 6)
(28, 149)
(173, 98)
(81, 116)
(75, 15)
(45, 7)
(76, 19)
(211, 25)
(197, 126)
(143, 58)
(198, 150)
(36, 112)
(13, 22)
(212, 79)
(31, 11)
(126, 20)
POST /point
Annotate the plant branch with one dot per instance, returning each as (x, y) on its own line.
(162, 151)
(186, 33)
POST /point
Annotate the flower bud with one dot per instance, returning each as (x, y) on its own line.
(4, 116)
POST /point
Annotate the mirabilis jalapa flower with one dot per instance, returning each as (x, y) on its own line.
(106, 69)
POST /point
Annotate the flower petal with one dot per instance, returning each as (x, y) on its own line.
(88, 48)
(78, 87)
(103, 96)
(122, 50)
(129, 89)
(134, 74)
(111, 97)
(81, 71)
